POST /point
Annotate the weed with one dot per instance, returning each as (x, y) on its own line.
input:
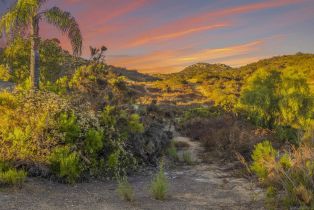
(172, 152)
(12, 177)
(125, 190)
(187, 157)
(159, 185)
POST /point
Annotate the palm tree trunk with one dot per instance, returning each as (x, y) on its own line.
(35, 73)
(11, 39)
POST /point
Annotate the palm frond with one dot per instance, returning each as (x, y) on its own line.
(67, 24)
(19, 15)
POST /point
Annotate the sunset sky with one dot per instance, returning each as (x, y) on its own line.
(167, 35)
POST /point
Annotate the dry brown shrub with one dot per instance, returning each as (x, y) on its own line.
(225, 133)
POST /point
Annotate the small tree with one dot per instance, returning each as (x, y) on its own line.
(259, 97)
(273, 98)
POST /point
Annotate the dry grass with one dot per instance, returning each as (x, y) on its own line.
(225, 133)
(293, 173)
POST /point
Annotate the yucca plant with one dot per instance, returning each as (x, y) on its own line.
(24, 17)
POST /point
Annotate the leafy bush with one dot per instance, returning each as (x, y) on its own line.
(94, 141)
(172, 152)
(263, 156)
(69, 127)
(159, 185)
(4, 73)
(4, 166)
(274, 99)
(52, 60)
(201, 112)
(9, 176)
(28, 129)
(12, 177)
(292, 174)
(287, 133)
(259, 97)
(60, 86)
(125, 190)
(134, 124)
(65, 163)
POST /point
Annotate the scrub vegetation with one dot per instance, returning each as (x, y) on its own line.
(70, 119)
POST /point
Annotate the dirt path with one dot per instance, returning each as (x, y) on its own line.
(6, 85)
(198, 186)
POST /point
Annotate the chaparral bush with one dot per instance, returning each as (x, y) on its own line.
(290, 173)
(282, 101)
(72, 139)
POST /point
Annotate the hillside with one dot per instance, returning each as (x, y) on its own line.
(221, 84)
(132, 74)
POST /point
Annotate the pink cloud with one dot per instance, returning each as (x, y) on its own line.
(200, 22)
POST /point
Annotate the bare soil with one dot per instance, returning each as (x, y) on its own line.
(197, 186)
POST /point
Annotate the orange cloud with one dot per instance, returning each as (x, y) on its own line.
(96, 14)
(221, 52)
(175, 60)
(236, 10)
(201, 22)
(148, 39)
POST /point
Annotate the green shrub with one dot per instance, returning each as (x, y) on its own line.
(12, 177)
(65, 164)
(4, 73)
(271, 198)
(278, 99)
(285, 161)
(201, 112)
(28, 129)
(172, 151)
(59, 87)
(125, 190)
(286, 133)
(8, 100)
(70, 128)
(263, 157)
(93, 141)
(291, 175)
(4, 166)
(134, 124)
(187, 157)
(159, 185)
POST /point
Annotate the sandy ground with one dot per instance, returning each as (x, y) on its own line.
(198, 186)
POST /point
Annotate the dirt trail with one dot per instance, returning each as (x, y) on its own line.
(6, 85)
(198, 186)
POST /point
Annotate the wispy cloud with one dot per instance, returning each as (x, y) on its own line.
(173, 35)
(173, 60)
(202, 22)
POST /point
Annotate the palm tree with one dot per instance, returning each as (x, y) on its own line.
(24, 17)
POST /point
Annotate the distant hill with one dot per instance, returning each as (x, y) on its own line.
(201, 72)
(221, 83)
(132, 74)
(303, 63)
